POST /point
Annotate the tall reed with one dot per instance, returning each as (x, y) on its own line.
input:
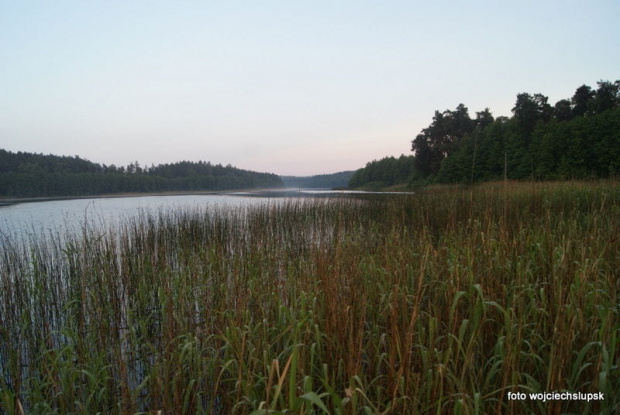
(439, 302)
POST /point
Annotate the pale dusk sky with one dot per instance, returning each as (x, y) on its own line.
(288, 87)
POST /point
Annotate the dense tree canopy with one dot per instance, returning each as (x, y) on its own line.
(325, 181)
(577, 137)
(528, 110)
(386, 172)
(443, 137)
(36, 175)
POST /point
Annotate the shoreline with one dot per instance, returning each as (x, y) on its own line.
(15, 201)
(262, 192)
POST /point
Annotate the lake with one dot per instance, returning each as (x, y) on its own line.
(61, 216)
(67, 216)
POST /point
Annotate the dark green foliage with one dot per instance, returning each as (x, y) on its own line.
(581, 100)
(484, 118)
(529, 110)
(427, 159)
(607, 97)
(38, 175)
(443, 137)
(562, 110)
(575, 139)
(490, 155)
(323, 181)
(386, 172)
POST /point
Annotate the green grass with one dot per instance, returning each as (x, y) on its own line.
(439, 302)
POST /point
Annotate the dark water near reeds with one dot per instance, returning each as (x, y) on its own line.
(61, 216)
(69, 216)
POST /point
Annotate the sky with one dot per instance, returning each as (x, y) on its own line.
(289, 87)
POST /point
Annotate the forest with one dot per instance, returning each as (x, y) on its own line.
(323, 181)
(389, 171)
(577, 138)
(36, 175)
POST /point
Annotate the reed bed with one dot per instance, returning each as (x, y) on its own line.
(450, 302)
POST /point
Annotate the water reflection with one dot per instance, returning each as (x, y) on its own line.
(61, 216)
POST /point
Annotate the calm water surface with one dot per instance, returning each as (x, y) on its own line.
(59, 217)
(62, 216)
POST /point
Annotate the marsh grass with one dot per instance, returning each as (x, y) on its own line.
(433, 303)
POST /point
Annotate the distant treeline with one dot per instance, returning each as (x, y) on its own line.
(324, 181)
(386, 172)
(577, 138)
(37, 175)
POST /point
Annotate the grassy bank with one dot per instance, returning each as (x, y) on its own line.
(432, 303)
